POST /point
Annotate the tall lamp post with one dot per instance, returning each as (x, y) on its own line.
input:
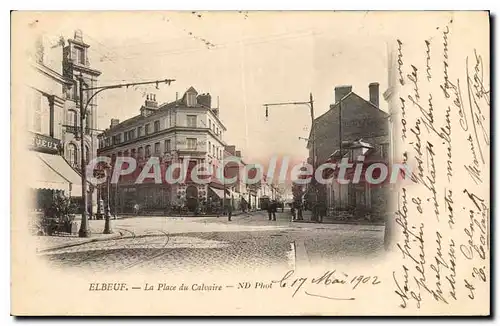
(309, 103)
(84, 230)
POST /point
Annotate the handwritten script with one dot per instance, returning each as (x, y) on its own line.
(326, 285)
(442, 216)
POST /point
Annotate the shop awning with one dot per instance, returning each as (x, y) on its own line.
(54, 171)
(43, 177)
(218, 192)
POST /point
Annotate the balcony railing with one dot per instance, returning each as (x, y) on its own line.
(76, 130)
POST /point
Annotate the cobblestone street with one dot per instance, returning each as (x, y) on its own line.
(249, 241)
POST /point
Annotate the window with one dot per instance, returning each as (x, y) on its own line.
(167, 146)
(139, 132)
(125, 136)
(71, 118)
(157, 126)
(210, 147)
(131, 134)
(87, 154)
(140, 153)
(170, 122)
(147, 128)
(119, 154)
(217, 133)
(36, 106)
(191, 99)
(113, 158)
(157, 148)
(213, 148)
(72, 155)
(148, 151)
(191, 143)
(79, 55)
(191, 121)
(126, 153)
(132, 153)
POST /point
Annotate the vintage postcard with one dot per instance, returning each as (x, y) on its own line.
(250, 163)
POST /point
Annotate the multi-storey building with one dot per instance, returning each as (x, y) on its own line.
(361, 128)
(76, 65)
(44, 97)
(187, 129)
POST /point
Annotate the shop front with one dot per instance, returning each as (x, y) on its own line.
(49, 173)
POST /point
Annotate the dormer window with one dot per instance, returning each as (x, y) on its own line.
(191, 99)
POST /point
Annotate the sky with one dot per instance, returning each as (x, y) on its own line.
(251, 59)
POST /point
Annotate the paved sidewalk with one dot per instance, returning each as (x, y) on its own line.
(307, 218)
(143, 226)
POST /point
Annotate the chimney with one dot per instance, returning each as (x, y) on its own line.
(151, 101)
(78, 36)
(341, 91)
(238, 154)
(374, 93)
(231, 149)
(114, 123)
(205, 100)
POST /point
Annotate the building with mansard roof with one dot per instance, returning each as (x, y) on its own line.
(187, 129)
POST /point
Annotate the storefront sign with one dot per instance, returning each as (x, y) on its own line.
(46, 144)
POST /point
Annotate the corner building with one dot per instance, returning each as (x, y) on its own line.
(185, 129)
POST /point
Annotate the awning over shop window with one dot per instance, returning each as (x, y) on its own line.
(55, 173)
(218, 192)
(46, 178)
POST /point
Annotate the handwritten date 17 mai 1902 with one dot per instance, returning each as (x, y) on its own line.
(327, 279)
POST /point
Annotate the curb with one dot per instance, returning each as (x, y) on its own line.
(340, 222)
(113, 237)
(77, 244)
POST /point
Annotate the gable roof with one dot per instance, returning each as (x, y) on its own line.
(335, 105)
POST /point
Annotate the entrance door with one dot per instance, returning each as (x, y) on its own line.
(191, 198)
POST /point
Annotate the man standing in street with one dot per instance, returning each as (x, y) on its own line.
(274, 209)
(229, 212)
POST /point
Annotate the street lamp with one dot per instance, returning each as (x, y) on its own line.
(309, 103)
(107, 226)
(84, 230)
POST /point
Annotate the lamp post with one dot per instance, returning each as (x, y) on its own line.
(84, 231)
(309, 103)
(107, 216)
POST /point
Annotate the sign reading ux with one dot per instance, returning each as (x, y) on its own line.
(44, 143)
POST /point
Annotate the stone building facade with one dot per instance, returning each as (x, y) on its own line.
(349, 121)
(75, 63)
(187, 130)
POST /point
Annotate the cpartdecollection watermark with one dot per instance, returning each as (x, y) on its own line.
(232, 169)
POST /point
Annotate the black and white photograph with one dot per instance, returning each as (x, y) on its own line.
(315, 147)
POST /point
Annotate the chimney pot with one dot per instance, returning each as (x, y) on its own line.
(374, 93)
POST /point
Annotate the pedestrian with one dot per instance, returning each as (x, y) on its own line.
(229, 212)
(275, 209)
(299, 211)
(270, 210)
(136, 209)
